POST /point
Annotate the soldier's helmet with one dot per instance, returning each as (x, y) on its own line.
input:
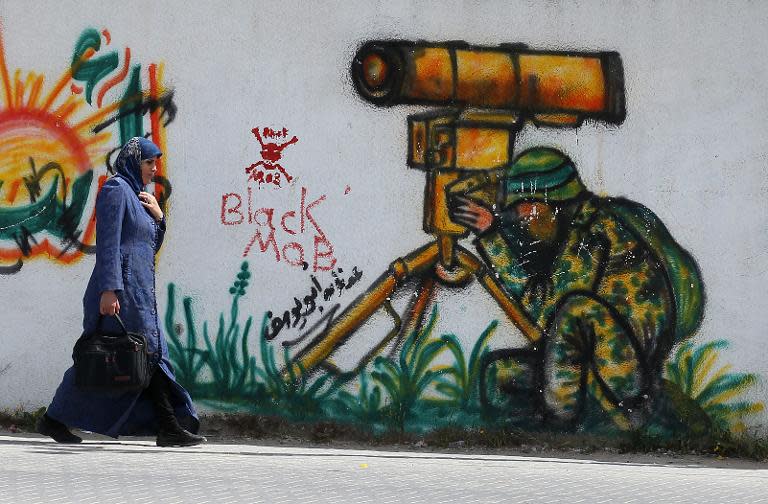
(542, 173)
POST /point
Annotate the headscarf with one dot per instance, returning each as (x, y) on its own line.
(128, 163)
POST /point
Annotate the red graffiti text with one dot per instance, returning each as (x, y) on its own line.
(290, 235)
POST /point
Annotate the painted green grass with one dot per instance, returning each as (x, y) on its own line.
(715, 392)
(225, 356)
(220, 370)
(463, 391)
(365, 407)
(411, 392)
(401, 393)
(186, 358)
(408, 377)
(284, 392)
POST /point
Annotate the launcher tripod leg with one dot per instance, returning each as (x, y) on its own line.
(414, 316)
(415, 312)
(417, 263)
(512, 309)
(355, 315)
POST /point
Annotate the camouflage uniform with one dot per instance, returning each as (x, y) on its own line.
(605, 303)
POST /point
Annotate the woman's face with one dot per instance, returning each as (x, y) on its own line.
(148, 170)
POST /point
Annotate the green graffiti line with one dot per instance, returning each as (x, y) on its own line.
(430, 383)
(94, 69)
(131, 115)
(36, 215)
(463, 390)
(48, 213)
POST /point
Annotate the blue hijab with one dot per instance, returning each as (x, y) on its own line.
(128, 164)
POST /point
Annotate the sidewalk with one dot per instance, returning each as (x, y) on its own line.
(37, 470)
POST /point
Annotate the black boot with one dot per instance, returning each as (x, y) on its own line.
(47, 426)
(169, 432)
(180, 437)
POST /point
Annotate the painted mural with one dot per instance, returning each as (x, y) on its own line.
(608, 301)
(57, 140)
(605, 302)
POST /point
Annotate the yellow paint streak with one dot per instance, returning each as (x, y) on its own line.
(620, 370)
(720, 372)
(17, 150)
(70, 106)
(99, 138)
(35, 93)
(18, 88)
(28, 83)
(4, 77)
(32, 141)
(702, 371)
(64, 80)
(725, 395)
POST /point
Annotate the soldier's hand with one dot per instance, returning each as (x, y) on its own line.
(476, 217)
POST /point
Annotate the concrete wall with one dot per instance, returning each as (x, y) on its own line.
(691, 149)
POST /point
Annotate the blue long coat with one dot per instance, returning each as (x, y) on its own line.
(127, 238)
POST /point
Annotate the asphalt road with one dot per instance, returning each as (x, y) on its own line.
(33, 469)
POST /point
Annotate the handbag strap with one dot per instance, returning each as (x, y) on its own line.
(119, 321)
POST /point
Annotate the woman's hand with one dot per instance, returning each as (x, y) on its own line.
(109, 305)
(474, 216)
(150, 203)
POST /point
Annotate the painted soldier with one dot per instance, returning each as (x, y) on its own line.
(610, 289)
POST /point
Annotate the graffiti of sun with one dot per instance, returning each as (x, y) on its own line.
(54, 137)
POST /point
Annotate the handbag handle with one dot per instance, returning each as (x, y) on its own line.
(119, 320)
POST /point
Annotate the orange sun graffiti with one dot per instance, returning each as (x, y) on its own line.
(39, 126)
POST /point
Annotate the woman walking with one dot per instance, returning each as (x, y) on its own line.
(130, 227)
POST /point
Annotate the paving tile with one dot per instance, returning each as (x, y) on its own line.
(36, 470)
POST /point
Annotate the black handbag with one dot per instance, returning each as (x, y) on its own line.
(111, 362)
